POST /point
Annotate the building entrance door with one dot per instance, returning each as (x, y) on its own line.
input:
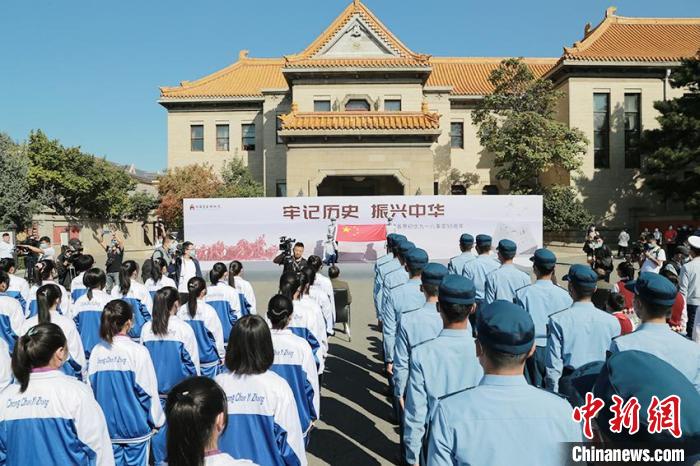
(385, 185)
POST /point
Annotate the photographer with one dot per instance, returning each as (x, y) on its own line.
(64, 262)
(115, 255)
(654, 257)
(290, 258)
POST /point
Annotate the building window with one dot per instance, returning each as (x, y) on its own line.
(436, 188)
(632, 130)
(392, 105)
(248, 136)
(278, 128)
(322, 105)
(457, 135)
(222, 137)
(357, 105)
(281, 189)
(601, 130)
(197, 138)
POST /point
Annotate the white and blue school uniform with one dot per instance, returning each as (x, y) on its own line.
(295, 363)
(76, 365)
(141, 304)
(18, 289)
(227, 304)
(502, 283)
(64, 307)
(477, 271)
(667, 345)
(501, 421)
(440, 366)
(56, 421)
(246, 289)
(303, 324)
(123, 380)
(77, 287)
(87, 314)
(326, 285)
(224, 459)
(210, 337)
(153, 287)
(11, 320)
(313, 310)
(5, 365)
(327, 309)
(263, 421)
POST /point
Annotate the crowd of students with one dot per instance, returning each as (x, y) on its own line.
(486, 367)
(148, 374)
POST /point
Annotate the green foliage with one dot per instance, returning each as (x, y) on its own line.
(141, 204)
(671, 153)
(516, 123)
(192, 181)
(18, 203)
(77, 183)
(563, 210)
(238, 181)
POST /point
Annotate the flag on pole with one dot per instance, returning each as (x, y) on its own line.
(361, 233)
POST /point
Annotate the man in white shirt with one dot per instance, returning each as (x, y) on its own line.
(654, 256)
(689, 283)
(6, 246)
(188, 267)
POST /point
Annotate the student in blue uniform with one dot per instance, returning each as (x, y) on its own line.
(396, 277)
(48, 299)
(48, 418)
(580, 334)
(159, 277)
(43, 274)
(11, 313)
(540, 300)
(402, 298)
(224, 299)
(294, 362)
(264, 424)
(501, 284)
(654, 296)
(312, 308)
(417, 325)
(87, 310)
(304, 322)
(5, 365)
(236, 280)
(206, 325)
(642, 375)
(136, 294)
(81, 264)
(18, 287)
(197, 416)
(477, 270)
(503, 420)
(457, 263)
(443, 365)
(123, 380)
(383, 269)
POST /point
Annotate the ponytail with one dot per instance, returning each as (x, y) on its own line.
(308, 277)
(279, 311)
(157, 269)
(125, 272)
(42, 271)
(234, 269)
(195, 287)
(162, 304)
(113, 319)
(217, 273)
(191, 410)
(46, 297)
(290, 283)
(94, 279)
(35, 349)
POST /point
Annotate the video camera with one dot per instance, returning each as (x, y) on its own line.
(287, 245)
(22, 250)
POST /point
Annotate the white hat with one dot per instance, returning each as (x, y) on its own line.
(694, 242)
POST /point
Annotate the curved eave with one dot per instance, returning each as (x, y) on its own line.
(359, 132)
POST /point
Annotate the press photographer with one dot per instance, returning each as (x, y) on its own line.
(291, 256)
(65, 262)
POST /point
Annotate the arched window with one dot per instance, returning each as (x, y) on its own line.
(357, 105)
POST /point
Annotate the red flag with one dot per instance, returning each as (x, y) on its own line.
(361, 233)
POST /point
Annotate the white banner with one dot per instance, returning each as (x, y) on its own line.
(249, 229)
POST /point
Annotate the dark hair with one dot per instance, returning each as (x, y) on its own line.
(186, 245)
(454, 312)
(114, 316)
(6, 264)
(656, 310)
(164, 300)
(416, 270)
(127, 269)
(279, 310)
(298, 244)
(217, 272)
(314, 262)
(234, 268)
(431, 290)
(5, 234)
(582, 291)
(4, 278)
(47, 296)
(94, 278)
(290, 283)
(35, 349)
(506, 255)
(195, 286)
(45, 238)
(250, 349)
(542, 270)
(625, 270)
(308, 278)
(191, 410)
(501, 360)
(482, 248)
(83, 263)
(333, 272)
(157, 269)
(42, 271)
(616, 302)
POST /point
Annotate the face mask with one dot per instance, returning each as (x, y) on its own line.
(44, 246)
(192, 254)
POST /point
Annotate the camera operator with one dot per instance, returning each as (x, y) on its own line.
(187, 267)
(64, 262)
(290, 257)
(29, 249)
(115, 255)
(44, 252)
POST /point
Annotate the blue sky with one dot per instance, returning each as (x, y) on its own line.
(87, 72)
